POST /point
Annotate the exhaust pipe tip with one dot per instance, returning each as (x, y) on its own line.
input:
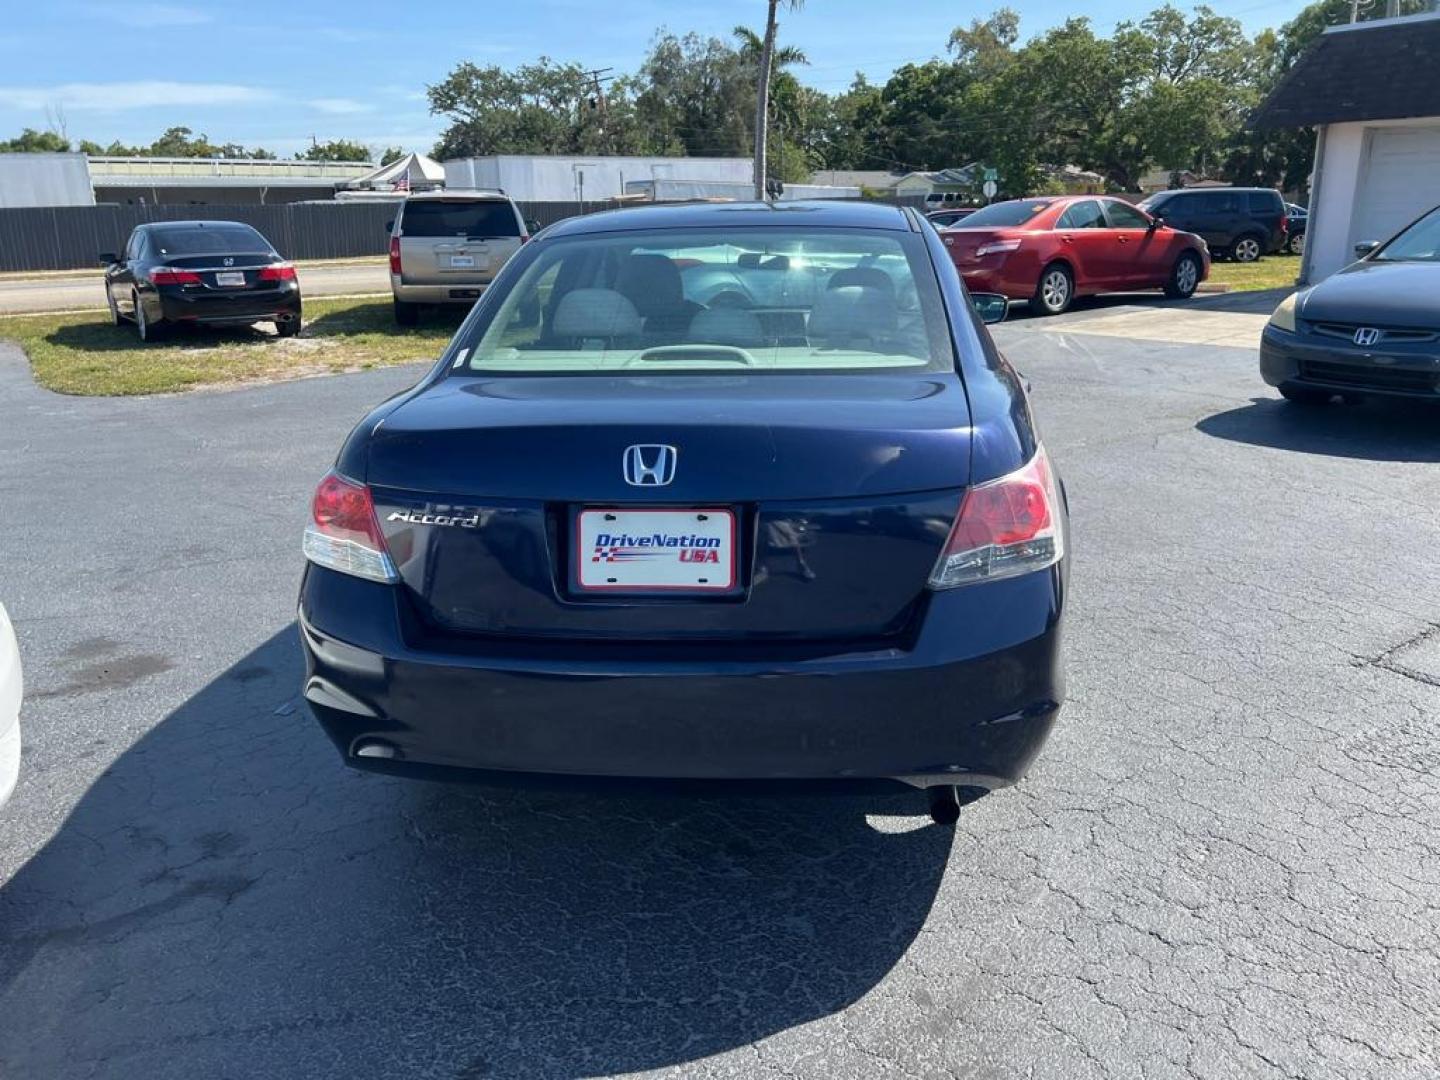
(376, 748)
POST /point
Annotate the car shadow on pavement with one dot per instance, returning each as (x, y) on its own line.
(1372, 430)
(103, 336)
(228, 900)
(379, 317)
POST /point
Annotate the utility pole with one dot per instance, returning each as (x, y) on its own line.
(597, 103)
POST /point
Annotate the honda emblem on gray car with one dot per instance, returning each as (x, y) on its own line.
(650, 465)
(1366, 336)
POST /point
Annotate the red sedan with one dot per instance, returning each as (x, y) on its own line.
(1051, 250)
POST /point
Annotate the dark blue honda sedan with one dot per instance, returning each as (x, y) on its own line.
(704, 494)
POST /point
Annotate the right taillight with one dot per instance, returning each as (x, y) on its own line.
(344, 534)
(395, 255)
(1005, 527)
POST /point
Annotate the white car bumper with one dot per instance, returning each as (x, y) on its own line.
(10, 694)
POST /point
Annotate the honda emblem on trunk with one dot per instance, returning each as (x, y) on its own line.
(650, 465)
(1366, 336)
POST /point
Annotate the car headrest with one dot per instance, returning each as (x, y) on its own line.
(595, 313)
(726, 326)
(851, 315)
(869, 276)
(652, 283)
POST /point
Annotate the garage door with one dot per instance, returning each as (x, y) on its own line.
(1400, 182)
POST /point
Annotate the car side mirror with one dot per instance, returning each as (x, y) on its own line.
(991, 307)
(390, 225)
(1365, 247)
(533, 225)
(1157, 223)
(108, 258)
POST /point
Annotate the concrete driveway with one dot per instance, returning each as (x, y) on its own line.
(1233, 320)
(1225, 865)
(80, 292)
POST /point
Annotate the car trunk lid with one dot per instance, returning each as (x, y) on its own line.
(842, 490)
(963, 243)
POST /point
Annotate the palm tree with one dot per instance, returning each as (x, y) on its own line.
(752, 48)
(762, 96)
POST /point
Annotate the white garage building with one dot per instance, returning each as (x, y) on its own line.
(1371, 90)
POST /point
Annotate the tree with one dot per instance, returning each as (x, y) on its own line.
(794, 109)
(540, 108)
(394, 153)
(31, 141)
(337, 150)
(762, 91)
(691, 95)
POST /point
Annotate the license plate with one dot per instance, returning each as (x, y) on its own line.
(655, 550)
(230, 277)
(462, 262)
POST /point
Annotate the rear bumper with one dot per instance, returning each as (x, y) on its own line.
(239, 307)
(956, 706)
(457, 292)
(1016, 283)
(1296, 360)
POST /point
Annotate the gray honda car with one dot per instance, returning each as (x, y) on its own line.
(1371, 329)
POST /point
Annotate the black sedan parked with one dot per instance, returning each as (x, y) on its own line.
(216, 273)
(634, 527)
(1373, 328)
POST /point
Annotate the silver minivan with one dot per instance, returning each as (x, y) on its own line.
(447, 246)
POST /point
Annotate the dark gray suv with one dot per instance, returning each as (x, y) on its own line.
(1237, 223)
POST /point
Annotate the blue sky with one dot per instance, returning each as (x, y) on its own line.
(272, 73)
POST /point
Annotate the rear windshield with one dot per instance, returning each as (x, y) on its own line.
(459, 218)
(1420, 242)
(209, 240)
(732, 301)
(1006, 213)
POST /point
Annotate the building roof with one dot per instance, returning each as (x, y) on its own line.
(965, 174)
(821, 214)
(1384, 69)
(871, 178)
(144, 172)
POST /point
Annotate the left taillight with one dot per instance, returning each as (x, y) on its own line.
(996, 247)
(395, 255)
(278, 272)
(164, 275)
(1005, 527)
(344, 533)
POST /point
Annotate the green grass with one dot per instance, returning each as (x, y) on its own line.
(1271, 272)
(85, 354)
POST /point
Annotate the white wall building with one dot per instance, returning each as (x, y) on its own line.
(45, 180)
(1372, 93)
(537, 178)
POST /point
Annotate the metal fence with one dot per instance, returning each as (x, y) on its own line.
(72, 237)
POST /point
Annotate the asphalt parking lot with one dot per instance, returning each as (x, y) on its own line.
(1225, 865)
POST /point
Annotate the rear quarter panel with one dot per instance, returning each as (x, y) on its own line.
(1003, 434)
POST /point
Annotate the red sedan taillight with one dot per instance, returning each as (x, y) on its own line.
(278, 272)
(996, 247)
(395, 255)
(164, 275)
(344, 533)
(1006, 527)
